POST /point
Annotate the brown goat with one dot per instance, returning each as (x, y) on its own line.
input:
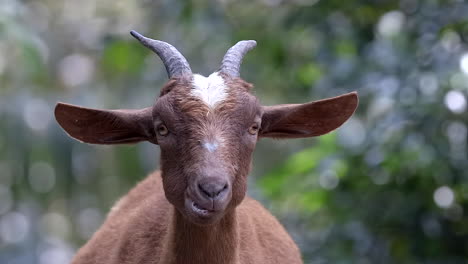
(195, 209)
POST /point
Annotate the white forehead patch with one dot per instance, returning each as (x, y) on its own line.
(211, 90)
(210, 146)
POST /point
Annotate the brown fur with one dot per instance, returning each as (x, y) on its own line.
(143, 227)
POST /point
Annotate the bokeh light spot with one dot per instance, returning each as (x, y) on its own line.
(455, 102)
(352, 134)
(37, 114)
(444, 196)
(14, 227)
(391, 23)
(457, 132)
(328, 180)
(451, 41)
(55, 251)
(428, 84)
(464, 63)
(89, 220)
(55, 225)
(76, 69)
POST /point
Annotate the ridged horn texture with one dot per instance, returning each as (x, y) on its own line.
(175, 63)
(233, 58)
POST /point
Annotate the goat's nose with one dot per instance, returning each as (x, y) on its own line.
(213, 188)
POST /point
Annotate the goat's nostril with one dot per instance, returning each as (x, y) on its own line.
(212, 189)
(222, 190)
(200, 187)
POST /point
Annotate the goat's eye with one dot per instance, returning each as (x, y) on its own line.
(162, 130)
(253, 130)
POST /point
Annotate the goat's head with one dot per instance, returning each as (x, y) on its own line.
(206, 127)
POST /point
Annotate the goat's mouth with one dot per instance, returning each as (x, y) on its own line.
(200, 213)
(201, 210)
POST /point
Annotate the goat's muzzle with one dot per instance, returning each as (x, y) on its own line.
(207, 199)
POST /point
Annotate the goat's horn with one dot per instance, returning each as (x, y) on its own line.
(174, 61)
(233, 58)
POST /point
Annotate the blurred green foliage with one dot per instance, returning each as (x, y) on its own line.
(390, 186)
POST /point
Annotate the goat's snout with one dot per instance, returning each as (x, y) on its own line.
(213, 188)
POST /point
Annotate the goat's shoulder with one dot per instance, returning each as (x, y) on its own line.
(149, 188)
(271, 240)
(123, 236)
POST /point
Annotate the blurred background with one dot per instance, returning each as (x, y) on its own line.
(390, 186)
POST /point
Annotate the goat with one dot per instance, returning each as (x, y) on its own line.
(195, 210)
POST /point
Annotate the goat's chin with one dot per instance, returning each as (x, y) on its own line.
(212, 220)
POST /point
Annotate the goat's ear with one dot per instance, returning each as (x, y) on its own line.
(309, 119)
(106, 126)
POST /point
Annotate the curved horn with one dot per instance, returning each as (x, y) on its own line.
(174, 61)
(233, 58)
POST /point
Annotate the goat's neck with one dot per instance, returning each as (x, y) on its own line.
(190, 243)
